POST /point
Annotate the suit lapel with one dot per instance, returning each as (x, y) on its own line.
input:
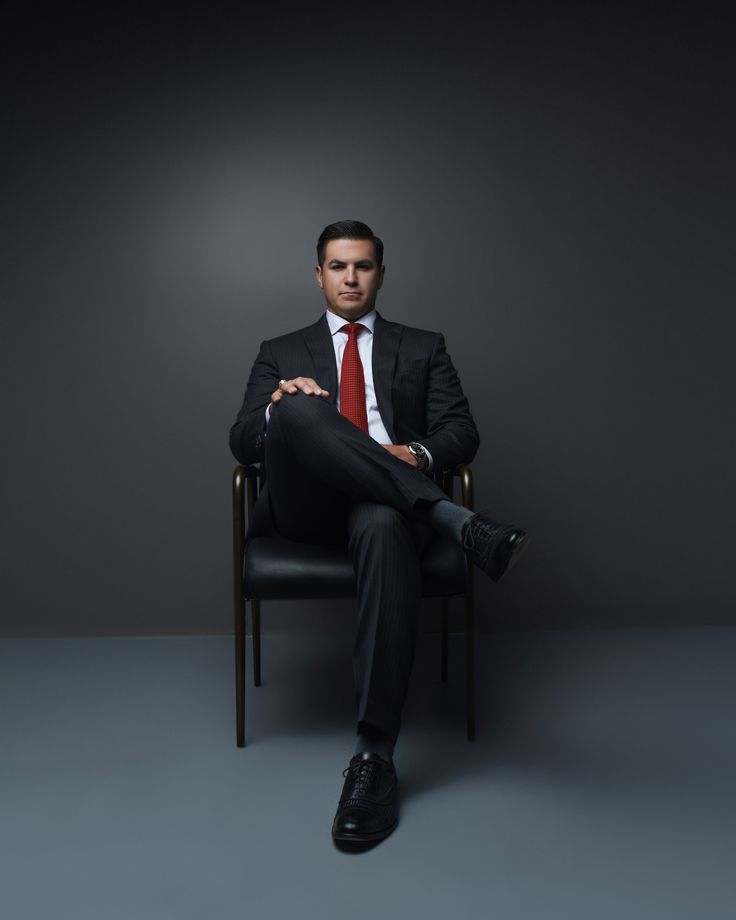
(386, 337)
(318, 340)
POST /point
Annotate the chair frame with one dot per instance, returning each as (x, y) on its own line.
(245, 487)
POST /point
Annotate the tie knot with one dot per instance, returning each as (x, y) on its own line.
(352, 329)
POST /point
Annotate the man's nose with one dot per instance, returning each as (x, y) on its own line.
(350, 275)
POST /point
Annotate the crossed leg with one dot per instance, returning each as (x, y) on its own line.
(330, 482)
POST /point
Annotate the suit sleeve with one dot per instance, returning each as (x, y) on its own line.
(452, 436)
(248, 433)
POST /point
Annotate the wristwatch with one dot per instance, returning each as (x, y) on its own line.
(421, 454)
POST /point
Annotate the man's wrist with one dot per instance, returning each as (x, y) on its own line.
(420, 455)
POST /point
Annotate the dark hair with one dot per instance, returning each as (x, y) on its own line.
(348, 230)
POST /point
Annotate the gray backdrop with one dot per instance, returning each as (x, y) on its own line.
(554, 186)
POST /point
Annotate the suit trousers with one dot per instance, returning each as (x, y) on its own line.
(328, 481)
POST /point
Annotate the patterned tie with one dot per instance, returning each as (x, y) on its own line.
(352, 381)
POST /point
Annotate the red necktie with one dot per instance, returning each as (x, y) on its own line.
(352, 381)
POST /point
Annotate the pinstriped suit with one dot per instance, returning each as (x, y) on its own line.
(328, 481)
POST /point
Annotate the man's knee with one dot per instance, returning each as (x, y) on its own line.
(298, 410)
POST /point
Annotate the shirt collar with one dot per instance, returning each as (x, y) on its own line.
(336, 322)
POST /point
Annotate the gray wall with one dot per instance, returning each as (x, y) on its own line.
(554, 186)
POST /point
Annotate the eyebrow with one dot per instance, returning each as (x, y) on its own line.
(336, 262)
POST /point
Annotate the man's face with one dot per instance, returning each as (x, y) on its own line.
(350, 278)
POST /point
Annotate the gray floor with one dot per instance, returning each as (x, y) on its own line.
(601, 785)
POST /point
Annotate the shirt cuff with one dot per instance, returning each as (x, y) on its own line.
(430, 464)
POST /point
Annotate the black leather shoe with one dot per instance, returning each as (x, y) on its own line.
(491, 546)
(368, 809)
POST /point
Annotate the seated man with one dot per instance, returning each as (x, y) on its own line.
(354, 417)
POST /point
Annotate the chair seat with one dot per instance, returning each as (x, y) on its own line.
(280, 568)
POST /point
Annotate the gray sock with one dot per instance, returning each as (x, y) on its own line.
(448, 518)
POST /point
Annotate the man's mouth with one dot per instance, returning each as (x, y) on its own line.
(350, 294)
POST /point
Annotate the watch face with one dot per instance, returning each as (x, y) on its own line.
(419, 452)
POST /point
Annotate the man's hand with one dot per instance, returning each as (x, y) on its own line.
(402, 452)
(304, 384)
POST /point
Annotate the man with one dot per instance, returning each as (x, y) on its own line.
(353, 416)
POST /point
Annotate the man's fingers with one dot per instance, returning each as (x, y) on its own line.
(402, 452)
(306, 385)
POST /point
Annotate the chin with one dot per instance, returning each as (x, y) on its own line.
(351, 312)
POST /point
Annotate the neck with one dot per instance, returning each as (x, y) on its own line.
(351, 317)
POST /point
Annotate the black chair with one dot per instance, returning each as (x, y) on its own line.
(270, 568)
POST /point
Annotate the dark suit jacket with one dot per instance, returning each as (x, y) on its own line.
(417, 389)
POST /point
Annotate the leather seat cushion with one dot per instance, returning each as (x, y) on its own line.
(280, 568)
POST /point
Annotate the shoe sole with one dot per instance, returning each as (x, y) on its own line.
(365, 838)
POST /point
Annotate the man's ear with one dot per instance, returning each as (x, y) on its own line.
(380, 276)
(318, 273)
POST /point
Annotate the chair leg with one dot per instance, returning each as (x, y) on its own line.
(445, 617)
(256, 633)
(240, 672)
(470, 660)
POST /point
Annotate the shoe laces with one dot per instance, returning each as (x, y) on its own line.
(362, 774)
(469, 539)
(486, 536)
